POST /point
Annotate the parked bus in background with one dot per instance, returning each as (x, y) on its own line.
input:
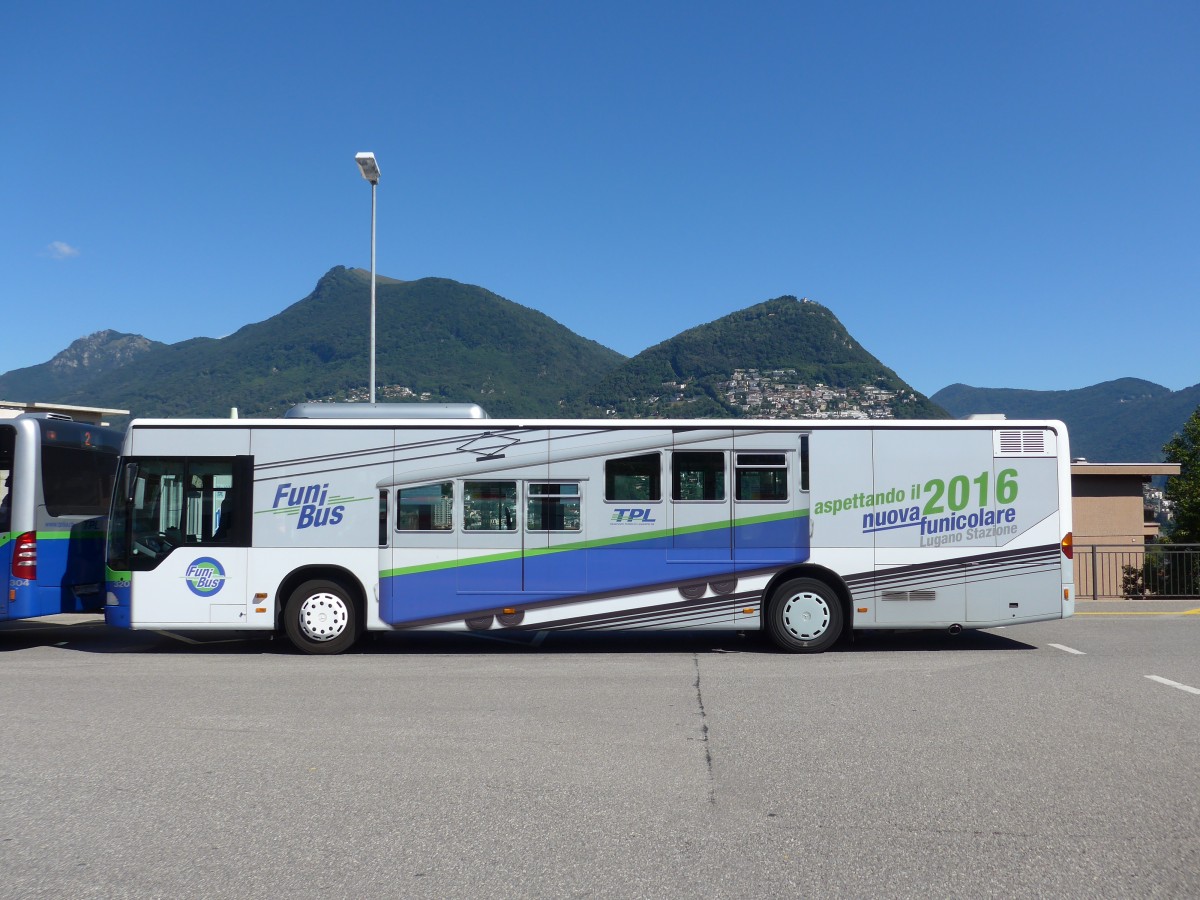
(344, 518)
(56, 477)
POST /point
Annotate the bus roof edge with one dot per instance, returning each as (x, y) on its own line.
(386, 411)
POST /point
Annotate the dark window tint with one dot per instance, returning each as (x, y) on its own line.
(633, 478)
(79, 463)
(383, 518)
(77, 482)
(553, 507)
(804, 462)
(490, 505)
(761, 476)
(429, 507)
(698, 475)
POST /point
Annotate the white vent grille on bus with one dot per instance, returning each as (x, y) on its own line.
(1021, 443)
(909, 595)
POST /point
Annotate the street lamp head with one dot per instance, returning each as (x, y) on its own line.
(368, 166)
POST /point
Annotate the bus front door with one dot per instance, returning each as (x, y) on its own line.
(187, 544)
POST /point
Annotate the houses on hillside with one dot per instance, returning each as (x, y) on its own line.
(777, 394)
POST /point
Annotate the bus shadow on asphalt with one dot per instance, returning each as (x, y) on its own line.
(932, 641)
(682, 642)
(99, 638)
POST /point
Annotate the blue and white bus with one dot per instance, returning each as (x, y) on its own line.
(321, 528)
(56, 478)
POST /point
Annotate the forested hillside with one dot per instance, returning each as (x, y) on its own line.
(1127, 420)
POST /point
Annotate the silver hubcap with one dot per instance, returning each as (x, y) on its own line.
(806, 616)
(323, 617)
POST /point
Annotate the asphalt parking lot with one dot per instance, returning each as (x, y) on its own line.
(1056, 759)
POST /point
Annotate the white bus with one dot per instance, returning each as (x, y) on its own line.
(56, 481)
(322, 527)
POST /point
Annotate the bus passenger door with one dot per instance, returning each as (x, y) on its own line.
(628, 523)
(700, 503)
(555, 559)
(490, 542)
(770, 499)
(419, 550)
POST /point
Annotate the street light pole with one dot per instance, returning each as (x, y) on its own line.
(370, 171)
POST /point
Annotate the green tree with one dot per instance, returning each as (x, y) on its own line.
(1184, 489)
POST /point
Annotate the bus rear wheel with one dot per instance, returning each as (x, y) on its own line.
(320, 618)
(804, 616)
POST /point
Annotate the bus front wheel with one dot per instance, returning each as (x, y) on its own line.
(320, 618)
(804, 616)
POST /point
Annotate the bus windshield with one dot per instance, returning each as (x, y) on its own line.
(165, 503)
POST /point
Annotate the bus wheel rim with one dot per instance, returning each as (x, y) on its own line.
(806, 616)
(323, 617)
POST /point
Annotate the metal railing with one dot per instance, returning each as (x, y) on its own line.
(1111, 571)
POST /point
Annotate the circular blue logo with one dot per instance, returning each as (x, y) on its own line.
(205, 577)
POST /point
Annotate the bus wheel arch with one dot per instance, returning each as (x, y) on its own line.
(321, 609)
(809, 593)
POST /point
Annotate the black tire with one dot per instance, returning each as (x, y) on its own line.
(804, 616)
(320, 618)
(510, 620)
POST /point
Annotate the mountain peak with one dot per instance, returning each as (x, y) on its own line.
(365, 274)
(100, 351)
(441, 340)
(783, 357)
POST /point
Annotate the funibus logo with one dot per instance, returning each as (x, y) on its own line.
(205, 576)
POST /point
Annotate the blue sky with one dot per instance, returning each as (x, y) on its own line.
(1002, 194)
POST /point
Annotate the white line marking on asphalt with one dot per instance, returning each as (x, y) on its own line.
(1175, 684)
(1066, 649)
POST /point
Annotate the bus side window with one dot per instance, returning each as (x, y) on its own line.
(429, 507)
(8, 438)
(211, 501)
(698, 475)
(553, 507)
(761, 476)
(489, 505)
(636, 478)
(224, 519)
(804, 462)
(383, 518)
(6, 500)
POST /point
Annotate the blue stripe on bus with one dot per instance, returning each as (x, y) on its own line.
(457, 590)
